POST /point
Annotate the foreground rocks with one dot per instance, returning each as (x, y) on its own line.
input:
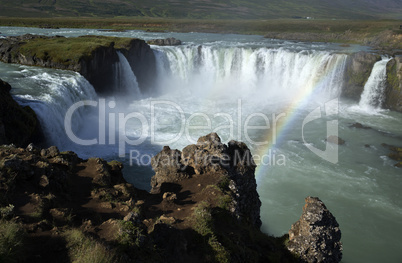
(81, 207)
(204, 207)
(316, 236)
(232, 162)
(18, 124)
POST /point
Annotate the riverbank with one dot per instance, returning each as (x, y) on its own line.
(380, 34)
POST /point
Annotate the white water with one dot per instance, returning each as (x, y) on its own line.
(50, 93)
(373, 93)
(270, 77)
(233, 72)
(125, 80)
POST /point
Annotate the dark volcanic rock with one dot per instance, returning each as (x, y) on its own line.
(18, 125)
(357, 71)
(171, 41)
(396, 153)
(316, 236)
(168, 168)
(359, 126)
(211, 156)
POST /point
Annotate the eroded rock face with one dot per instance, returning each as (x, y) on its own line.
(357, 72)
(316, 236)
(393, 90)
(211, 156)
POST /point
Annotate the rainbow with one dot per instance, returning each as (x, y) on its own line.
(286, 122)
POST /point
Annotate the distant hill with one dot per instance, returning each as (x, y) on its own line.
(213, 9)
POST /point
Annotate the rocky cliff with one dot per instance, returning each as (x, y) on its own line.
(203, 207)
(18, 125)
(84, 209)
(92, 56)
(357, 71)
(393, 90)
(316, 236)
(233, 163)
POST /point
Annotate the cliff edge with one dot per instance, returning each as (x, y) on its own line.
(18, 125)
(93, 57)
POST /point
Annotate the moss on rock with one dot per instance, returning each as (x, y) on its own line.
(357, 72)
(393, 90)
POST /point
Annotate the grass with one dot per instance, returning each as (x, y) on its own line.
(69, 51)
(12, 246)
(83, 249)
(218, 9)
(130, 235)
(203, 224)
(344, 31)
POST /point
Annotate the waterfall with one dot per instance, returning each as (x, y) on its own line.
(125, 80)
(373, 93)
(50, 95)
(243, 71)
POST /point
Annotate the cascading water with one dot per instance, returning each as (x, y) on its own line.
(125, 80)
(50, 95)
(373, 93)
(246, 72)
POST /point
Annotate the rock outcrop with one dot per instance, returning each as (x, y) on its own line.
(92, 56)
(171, 41)
(335, 140)
(393, 90)
(358, 69)
(395, 154)
(85, 206)
(211, 156)
(18, 125)
(316, 236)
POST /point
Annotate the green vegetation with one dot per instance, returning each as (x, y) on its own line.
(219, 9)
(130, 235)
(7, 211)
(381, 33)
(228, 240)
(12, 246)
(204, 225)
(83, 249)
(392, 76)
(69, 50)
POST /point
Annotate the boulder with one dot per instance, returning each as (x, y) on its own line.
(359, 126)
(168, 168)
(316, 236)
(335, 140)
